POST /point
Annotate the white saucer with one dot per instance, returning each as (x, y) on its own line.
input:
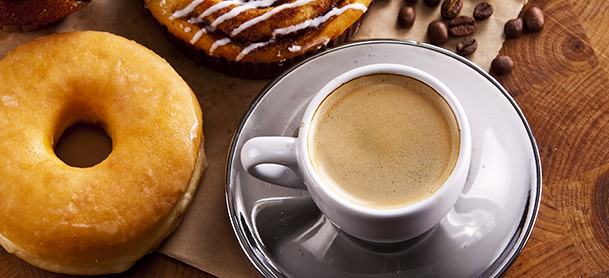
(283, 233)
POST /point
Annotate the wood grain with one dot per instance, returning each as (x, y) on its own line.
(560, 82)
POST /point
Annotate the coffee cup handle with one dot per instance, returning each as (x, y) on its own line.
(273, 159)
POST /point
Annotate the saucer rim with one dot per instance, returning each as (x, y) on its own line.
(529, 216)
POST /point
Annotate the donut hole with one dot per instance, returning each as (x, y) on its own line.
(83, 145)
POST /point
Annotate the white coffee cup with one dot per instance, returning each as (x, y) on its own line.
(286, 161)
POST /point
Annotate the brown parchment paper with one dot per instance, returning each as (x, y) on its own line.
(205, 238)
(380, 22)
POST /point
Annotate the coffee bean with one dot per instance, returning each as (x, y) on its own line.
(467, 46)
(502, 65)
(534, 19)
(437, 32)
(461, 26)
(406, 16)
(431, 3)
(451, 8)
(483, 11)
(513, 28)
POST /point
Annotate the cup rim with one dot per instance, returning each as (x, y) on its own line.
(464, 154)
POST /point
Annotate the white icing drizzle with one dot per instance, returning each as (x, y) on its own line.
(212, 9)
(215, 8)
(217, 44)
(319, 43)
(243, 6)
(184, 12)
(249, 48)
(233, 13)
(197, 36)
(221, 5)
(294, 48)
(194, 20)
(315, 22)
(266, 16)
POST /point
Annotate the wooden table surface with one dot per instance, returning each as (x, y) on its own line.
(560, 81)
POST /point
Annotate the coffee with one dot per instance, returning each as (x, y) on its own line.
(384, 141)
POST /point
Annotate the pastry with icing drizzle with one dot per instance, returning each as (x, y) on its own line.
(29, 15)
(256, 38)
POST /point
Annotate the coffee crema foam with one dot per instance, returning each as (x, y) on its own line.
(384, 141)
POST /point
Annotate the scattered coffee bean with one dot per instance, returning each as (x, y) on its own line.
(437, 32)
(502, 65)
(406, 17)
(451, 8)
(534, 19)
(461, 26)
(483, 11)
(513, 28)
(467, 46)
(431, 3)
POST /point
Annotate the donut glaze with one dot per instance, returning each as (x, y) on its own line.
(103, 218)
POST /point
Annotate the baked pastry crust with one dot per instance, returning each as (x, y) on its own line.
(265, 31)
(27, 15)
(100, 219)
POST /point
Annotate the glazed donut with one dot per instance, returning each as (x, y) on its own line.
(99, 219)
